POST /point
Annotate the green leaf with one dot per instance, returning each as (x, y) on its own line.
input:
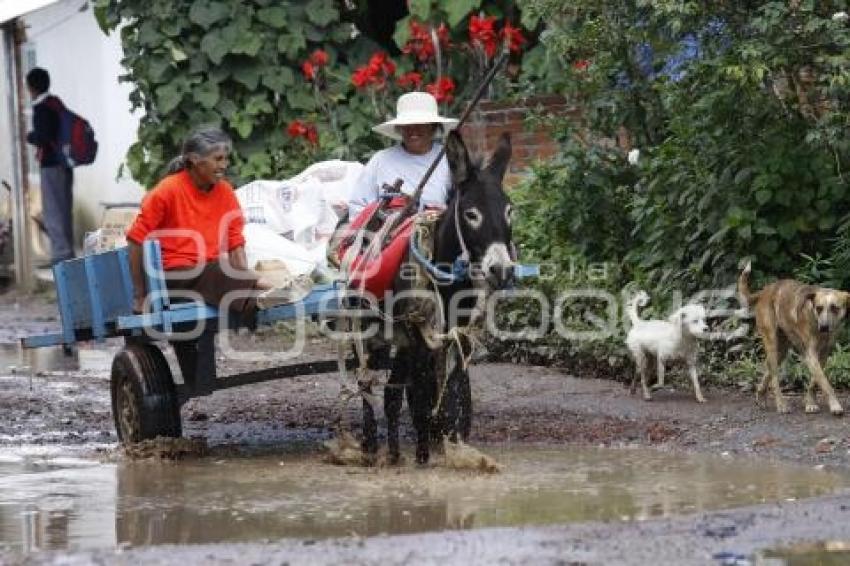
(321, 12)
(457, 10)
(763, 196)
(248, 75)
(278, 81)
(250, 45)
(207, 94)
(258, 105)
(300, 100)
(291, 44)
(205, 14)
(275, 17)
(167, 97)
(215, 46)
(402, 31)
(157, 67)
(178, 54)
(420, 9)
(226, 107)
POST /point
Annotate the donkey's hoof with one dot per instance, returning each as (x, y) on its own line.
(783, 408)
(393, 459)
(812, 408)
(836, 411)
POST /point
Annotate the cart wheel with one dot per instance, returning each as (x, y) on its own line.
(144, 400)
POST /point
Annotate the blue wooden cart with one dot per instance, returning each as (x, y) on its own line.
(95, 297)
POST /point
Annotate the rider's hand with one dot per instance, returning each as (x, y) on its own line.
(138, 304)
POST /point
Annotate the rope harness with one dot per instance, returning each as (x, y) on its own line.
(426, 313)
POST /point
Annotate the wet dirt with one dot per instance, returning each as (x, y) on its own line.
(62, 405)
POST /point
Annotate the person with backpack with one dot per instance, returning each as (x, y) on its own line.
(56, 175)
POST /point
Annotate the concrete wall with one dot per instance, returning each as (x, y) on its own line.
(84, 65)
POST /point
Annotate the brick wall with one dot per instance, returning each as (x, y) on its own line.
(487, 122)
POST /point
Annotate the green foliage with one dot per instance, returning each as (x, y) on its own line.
(742, 150)
(237, 64)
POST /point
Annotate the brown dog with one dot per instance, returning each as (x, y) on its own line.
(790, 313)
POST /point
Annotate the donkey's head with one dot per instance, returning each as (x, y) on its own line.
(478, 220)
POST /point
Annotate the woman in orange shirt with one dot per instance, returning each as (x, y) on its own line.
(194, 214)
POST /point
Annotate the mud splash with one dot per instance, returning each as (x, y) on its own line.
(171, 449)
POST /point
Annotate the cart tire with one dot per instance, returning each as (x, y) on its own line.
(144, 399)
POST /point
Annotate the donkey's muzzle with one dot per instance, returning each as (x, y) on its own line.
(501, 276)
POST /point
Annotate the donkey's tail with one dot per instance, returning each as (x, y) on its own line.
(745, 296)
(641, 299)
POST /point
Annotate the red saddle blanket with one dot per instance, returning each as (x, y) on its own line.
(376, 275)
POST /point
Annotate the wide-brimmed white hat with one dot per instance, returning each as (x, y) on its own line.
(414, 108)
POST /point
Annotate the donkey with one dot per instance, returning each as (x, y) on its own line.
(477, 220)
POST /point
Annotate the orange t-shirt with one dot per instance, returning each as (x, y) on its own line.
(192, 226)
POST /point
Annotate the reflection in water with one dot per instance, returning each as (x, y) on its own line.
(60, 504)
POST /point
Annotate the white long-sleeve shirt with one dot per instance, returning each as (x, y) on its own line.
(394, 163)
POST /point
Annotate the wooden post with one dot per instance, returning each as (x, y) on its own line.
(20, 219)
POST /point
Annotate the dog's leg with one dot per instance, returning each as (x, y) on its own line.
(640, 368)
(692, 366)
(819, 377)
(659, 372)
(647, 396)
(773, 359)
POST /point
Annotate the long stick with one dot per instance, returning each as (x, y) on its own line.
(413, 203)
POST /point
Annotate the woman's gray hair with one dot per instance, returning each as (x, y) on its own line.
(201, 142)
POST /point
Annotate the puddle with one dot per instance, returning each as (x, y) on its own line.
(87, 358)
(51, 503)
(824, 553)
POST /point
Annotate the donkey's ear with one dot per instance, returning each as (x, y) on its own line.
(501, 157)
(458, 158)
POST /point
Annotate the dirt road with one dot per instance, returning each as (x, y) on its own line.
(513, 404)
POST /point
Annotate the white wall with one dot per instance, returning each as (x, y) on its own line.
(7, 131)
(84, 65)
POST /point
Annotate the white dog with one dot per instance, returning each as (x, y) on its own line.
(665, 340)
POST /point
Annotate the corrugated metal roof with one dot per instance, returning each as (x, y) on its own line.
(13, 8)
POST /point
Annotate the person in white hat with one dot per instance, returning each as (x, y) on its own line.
(417, 126)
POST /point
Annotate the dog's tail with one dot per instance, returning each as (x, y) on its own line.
(746, 296)
(641, 299)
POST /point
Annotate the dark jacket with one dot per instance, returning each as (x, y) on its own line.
(45, 132)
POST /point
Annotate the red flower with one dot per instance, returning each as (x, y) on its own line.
(513, 37)
(482, 33)
(319, 58)
(360, 77)
(443, 90)
(375, 73)
(581, 65)
(312, 134)
(309, 70)
(421, 43)
(410, 79)
(296, 129)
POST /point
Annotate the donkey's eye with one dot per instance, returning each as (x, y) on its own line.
(473, 217)
(834, 309)
(509, 214)
(819, 309)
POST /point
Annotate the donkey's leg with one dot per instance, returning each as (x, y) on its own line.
(393, 398)
(464, 421)
(370, 429)
(420, 399)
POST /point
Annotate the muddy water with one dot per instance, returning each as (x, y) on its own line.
(53, 502)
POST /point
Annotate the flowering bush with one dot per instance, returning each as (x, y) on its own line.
(310, 72)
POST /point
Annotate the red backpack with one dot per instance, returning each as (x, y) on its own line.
(76, 137)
